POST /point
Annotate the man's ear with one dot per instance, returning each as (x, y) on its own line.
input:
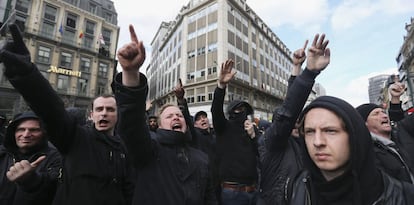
(90, 114)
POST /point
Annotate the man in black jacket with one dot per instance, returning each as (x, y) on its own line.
(339, 163)
(29, 164)
(393, 144)
(391, 154)
(203, 136)
(95, 165)
(168, 169)
(236, 144)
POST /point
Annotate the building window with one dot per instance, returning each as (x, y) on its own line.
(103, 70)
(63, 82)
(69, 36)
(71, 20)
(23, 5)
(201, 98)
(73, 2)
(190, 99)
(85, 64)
(92, 8)
(83, 86)
(50, 13)
(190, 76)
(212, 47)
(90, 27)
(66, 60)
(43, 54)
(48, 29)
(106, 34)
(100, 89)
(212, 70)
(108, 17)
(87, 42)
(191, 54)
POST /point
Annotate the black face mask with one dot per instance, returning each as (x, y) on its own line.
(238, 117)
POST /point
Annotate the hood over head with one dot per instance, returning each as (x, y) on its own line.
(238, 103)
(239, 117)
(10, 141)
(366, 179)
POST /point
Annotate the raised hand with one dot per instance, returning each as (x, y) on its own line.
(318, 54)
(226, 73)
(249, 127)
(131, 56)
(20, 170)
(15, 55)
(298, 58)
(299, 55)
(396, 90)
(179, 90)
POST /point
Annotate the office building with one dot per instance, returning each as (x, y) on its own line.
(206, 33)
(376, 86)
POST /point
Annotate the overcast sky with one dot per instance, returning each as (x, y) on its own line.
(365, 35)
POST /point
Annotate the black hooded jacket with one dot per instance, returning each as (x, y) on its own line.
(39, 187)
(280, 153)
(95, 165)
(168, 169)
(362, 183)
(237, 153)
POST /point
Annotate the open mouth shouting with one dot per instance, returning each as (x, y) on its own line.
(103, 123)
(177, 126)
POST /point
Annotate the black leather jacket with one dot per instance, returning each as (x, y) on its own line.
(395, 192)
(280, 156)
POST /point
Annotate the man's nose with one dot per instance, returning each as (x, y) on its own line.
(26, 133)
(319, 139)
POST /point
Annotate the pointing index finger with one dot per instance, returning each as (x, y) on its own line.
(38, 160)
(306, 44)
(133, 35)
(17, 36)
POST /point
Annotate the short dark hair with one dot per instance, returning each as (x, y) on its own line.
(101, 96)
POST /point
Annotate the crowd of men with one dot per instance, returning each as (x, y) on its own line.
(325, 153)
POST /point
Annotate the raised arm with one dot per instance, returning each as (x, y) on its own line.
(395, 111)
(299, 56)
(284, 118)
(130, 88)
(37, 91)
(182, 103)
(226, 74)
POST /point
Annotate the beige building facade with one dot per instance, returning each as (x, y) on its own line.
(73, 44)
(206, 33)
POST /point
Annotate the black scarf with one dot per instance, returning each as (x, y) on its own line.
(238, 117)
(337, 191)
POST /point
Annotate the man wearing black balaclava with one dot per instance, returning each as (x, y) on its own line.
(236, 141)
